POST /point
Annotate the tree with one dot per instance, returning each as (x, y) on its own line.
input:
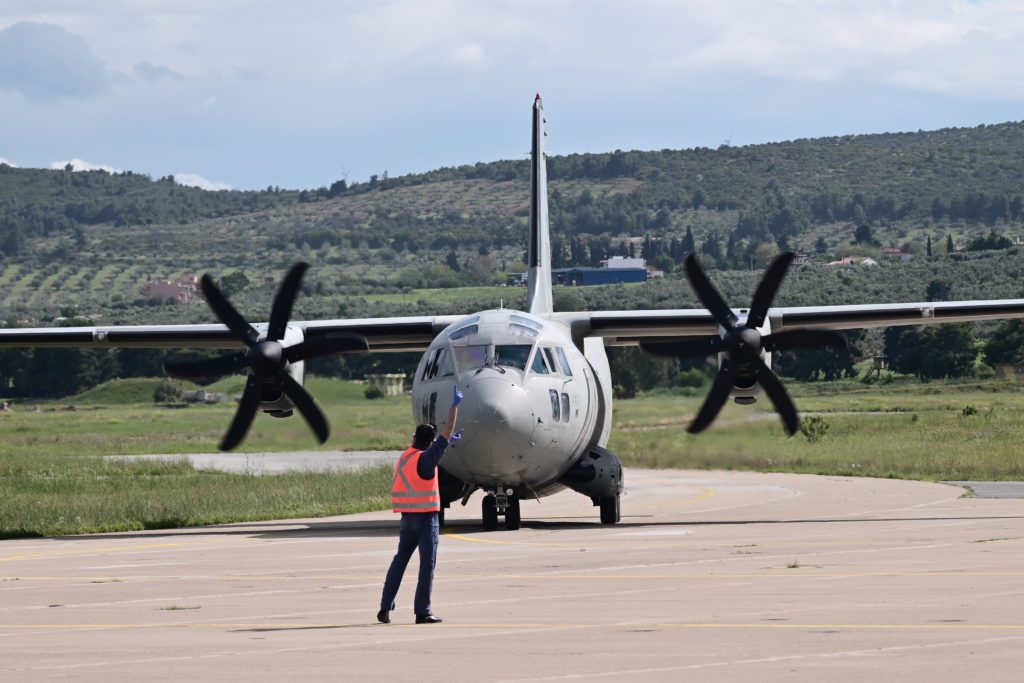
(711, 247)
(763, 255)
(901, 349)
(452, 261)
(938, 290)
(932, 352)
(928, 246)
(698, 198)
(950, 248)
(947, 351)
(823, 363)
(989, 241)
(1006, 345)
(863, 234)
(689, 244)
(233, 283)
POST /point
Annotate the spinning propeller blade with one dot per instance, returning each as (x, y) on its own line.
(743, 344)
(244, 416)
(267, 359)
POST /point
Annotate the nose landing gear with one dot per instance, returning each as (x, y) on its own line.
(502, 502)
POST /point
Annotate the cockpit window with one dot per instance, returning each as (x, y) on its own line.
(563, 361)
(539, 366)
(463, 331)
(523, 320)
(447, 369)
(469, 357)
(521, 326)
(439, 362)
(512, 355)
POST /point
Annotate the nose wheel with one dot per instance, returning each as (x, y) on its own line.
(501, 504)
(610, 510)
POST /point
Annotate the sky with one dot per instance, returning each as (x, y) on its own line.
(245, 94)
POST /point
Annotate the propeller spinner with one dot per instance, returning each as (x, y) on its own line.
(742, 344)
(267, 359)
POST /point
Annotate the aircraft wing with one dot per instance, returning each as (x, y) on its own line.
(627, 328)
(382, 334)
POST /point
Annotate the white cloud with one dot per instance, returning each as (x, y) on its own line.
(9, 163)
(193, 180)
(82, 165)
(470, 56)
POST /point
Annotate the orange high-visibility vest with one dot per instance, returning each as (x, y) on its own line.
(410, 492)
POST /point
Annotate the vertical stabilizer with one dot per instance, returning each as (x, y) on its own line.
(538, 282)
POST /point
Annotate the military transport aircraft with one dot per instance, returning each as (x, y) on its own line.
(537, 411)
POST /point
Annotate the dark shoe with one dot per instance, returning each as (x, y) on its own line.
(428, 619)
(382, 617)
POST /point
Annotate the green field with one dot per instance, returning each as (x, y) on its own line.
(938, 431)
(52, 482)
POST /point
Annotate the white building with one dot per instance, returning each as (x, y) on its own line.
(624, 262)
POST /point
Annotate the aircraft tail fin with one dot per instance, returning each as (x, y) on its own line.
(538, 278)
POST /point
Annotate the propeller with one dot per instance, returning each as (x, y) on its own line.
(267, 359)
(742, 344)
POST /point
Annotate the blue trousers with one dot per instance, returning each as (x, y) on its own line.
(418, 530)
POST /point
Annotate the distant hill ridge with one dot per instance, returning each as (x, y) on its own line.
(76, 243)
(909, 166)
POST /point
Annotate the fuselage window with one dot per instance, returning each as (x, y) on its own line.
(565, 407)
(555, 408)
(539, 366)
(563, 361)
(512, 355)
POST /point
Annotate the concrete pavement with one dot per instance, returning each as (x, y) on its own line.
(720, 576)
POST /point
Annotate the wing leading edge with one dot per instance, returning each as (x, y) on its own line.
(382, 334)
(627, 328)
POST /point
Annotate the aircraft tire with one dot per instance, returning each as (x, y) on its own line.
(513, 520)
(610, 513)
(490, 514)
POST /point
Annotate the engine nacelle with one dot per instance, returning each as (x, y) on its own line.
(598, 474)
(745, 388)
(273, 401)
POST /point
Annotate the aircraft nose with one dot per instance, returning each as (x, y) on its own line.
(497, 421)
(497, 406)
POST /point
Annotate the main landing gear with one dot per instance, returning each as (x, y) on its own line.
(504, 503)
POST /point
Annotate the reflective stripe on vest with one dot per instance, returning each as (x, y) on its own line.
(409, 491)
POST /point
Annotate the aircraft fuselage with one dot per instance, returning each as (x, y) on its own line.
(532, 404)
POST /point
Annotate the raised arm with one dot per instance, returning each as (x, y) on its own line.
(448, 428)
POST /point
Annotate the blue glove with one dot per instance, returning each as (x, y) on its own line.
(455, 437)
(458, 397)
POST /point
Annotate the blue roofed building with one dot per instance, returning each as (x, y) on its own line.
(597, 276)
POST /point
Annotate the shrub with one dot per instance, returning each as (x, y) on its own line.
(969, 410)
(814, 428)
(167, 392)
(373, 393)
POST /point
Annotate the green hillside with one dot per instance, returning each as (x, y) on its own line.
(83, 244)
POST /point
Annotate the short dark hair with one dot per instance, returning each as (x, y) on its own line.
(424, 435)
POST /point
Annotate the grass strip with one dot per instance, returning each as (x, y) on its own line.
(55, 496)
